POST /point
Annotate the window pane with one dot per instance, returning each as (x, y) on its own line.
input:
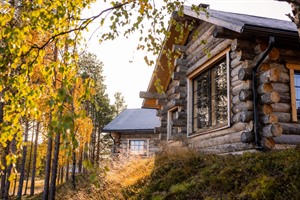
(210, 97)
(297, 92)
(138, 147)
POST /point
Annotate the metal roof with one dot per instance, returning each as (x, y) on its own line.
(134, 120)
(238, 22)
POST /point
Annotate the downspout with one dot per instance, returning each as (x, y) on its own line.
(254, 90)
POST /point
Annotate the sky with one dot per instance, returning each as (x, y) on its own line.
(124, 68)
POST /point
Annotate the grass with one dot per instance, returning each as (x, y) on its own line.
(186, 174)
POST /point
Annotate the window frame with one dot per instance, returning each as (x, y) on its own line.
(292, 68)
(206, 66)
(129, 152)
(170, 124)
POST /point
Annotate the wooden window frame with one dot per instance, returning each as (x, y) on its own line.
(138, 139)
(192, 76)
(293, 68)
(170, 125)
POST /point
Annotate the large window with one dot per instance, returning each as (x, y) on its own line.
(138, 147)
(210, 98)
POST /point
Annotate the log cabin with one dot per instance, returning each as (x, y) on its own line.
(233, 84)
(133, 134)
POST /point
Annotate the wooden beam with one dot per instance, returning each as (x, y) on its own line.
(151, 95)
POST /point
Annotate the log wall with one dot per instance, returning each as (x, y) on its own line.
(275, 97)
(273, 89)
(122, 142)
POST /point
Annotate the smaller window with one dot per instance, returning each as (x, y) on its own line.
(138, 147)
(171, 130)
(295, 90)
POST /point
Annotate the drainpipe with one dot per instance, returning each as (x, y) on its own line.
(254, 90)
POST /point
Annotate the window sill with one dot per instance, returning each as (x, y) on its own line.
(209, 130)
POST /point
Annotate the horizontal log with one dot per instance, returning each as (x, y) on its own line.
(221, 32)
(271, 130)
(203, 34)
(245, 95)
(180, 62)
(284, 77)
(235, 83)
(181, 68)
(228, 148)
(268, 76)
(238, 45)
(270, 97)
(247, 137)
(180, 115)
(237, 127)
(281, 107)
(226, 139)
(176, 89)
(235, 62)
(220, 47)
(176, 102)
(236, 117)
(245, 74)
(151, 95)
(264, 88)
(235, 71)
(288, 139)
(247, 116)
(285, 98)
(180, 82)
(244, 116)
(178, 75)
(160, 130)
(272, 65)
(179, 48)
(268, 143)
(265, 109)
(179, 122)
(269, 119)
(290, 128)
(243, 106)
(246, 54)
(245, 85)
(281, 87)
(261, 47)
(283, 117)
(236, 100)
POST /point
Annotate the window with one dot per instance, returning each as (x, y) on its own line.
(138, 147)
(171, 130)
(210, 97)
(295, 90)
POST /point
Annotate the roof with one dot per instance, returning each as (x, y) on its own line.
(134, 120)
(239, 23)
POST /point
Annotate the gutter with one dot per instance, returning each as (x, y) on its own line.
(255, 95)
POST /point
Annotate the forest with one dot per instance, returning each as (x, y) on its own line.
(53, 101)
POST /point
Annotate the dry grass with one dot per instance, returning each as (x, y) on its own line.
(108, 183)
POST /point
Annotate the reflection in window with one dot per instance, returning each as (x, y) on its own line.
(210, 98)
(297, 91)
(138, 147)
